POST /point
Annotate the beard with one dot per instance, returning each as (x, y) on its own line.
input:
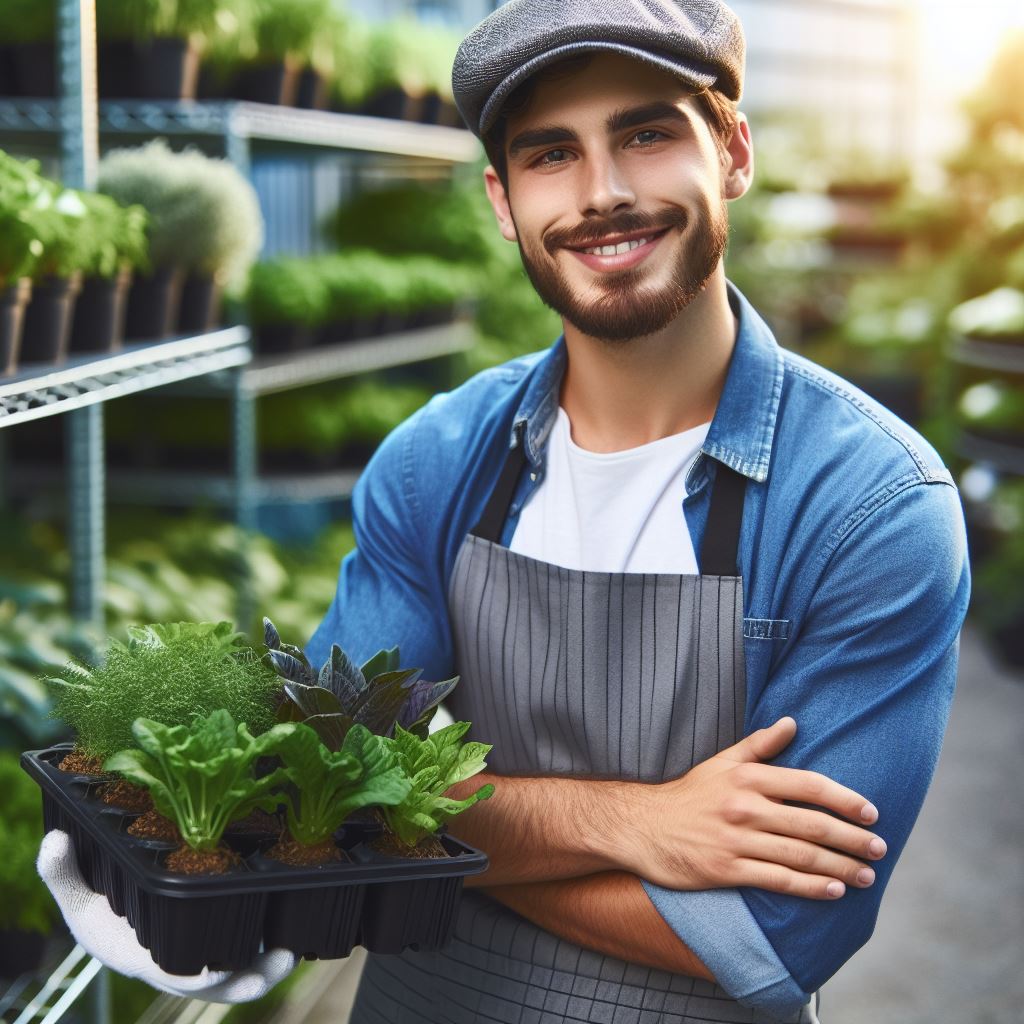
(626, 308)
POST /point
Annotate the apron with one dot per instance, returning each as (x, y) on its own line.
(601, 675)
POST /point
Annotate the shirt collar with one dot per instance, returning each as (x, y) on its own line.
(743, 427)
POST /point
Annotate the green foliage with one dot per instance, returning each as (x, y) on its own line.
(22, 191)
(27, 21)
(993, 405)
(27, 904)
(999, 314)
(203, 215)
(147, 19)
(168, 673)
(118, 235)
(201, 776)
(434, 763)
(331, 785)
(998, 595)
(286, 28)
(284, 291)
(404, 53)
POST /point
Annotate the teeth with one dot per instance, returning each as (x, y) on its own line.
(617, 250)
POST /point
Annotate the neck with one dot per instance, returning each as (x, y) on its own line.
(622, 395)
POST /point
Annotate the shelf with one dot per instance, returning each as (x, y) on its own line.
(1003, 357)
(1007, 458)
(267, 374)
(254, 121)
(187, 489)
(39, 391)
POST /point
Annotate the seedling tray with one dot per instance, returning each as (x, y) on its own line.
(192, 921)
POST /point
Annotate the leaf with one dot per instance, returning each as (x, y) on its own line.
(271, 637)
(332, 729)
(382, 661)
(419, 709)
(291, 668)
(312, 700)
(383, 702)
(343, 678)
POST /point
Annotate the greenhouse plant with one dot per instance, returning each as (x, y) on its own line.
(28, 31)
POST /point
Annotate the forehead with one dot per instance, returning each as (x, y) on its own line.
(606, 82)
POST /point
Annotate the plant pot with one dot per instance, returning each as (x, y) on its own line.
(165, 68)
(394, 103)
(311, 91)
(192, 921)
(153, 304)
(13, 300)
(33, 70)
(200, 304)
(115, 68)
(6, 71)
(266, 83)
(1008, 641)
(48, 319)
(20, 952)
(274, 338)
(98, 324)
(899, 393)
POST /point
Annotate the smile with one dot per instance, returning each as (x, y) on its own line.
(614, 255)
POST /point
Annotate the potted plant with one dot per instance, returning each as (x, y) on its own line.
(997, 316)
(351, 82)
(398, 80)
(204, 221)
(20, 249)
(29, 31)
(118, 235)
(59, 217)
(27, 911)
(202, 776)
(150, 49)
(283, 32)
(287, 299)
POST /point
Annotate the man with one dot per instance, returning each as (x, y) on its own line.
(661, 554)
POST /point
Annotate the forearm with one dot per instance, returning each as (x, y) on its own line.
(539, 829)
(607, 912)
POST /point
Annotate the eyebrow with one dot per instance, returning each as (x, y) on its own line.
(617, 121)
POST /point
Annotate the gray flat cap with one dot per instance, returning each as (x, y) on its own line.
(698, 41)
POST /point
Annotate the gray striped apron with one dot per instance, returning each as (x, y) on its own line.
(602, 675)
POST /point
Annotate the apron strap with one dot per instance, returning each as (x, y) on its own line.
(718, 553)
(492, 522)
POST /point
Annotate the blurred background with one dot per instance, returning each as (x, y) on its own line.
(294, 172)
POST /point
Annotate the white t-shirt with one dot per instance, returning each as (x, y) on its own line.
(615, 511)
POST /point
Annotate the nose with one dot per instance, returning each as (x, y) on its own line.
(604, 187)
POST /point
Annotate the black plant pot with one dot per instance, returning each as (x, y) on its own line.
(311, 92)
(153, 305)
(115, 68)
(20, 952)
(13, 300)
(48, 319)
(33, 70)
(273, 338)
(1009, 644)
(165, 69)
(99, 313)
(394, 103)
(200, 305)
(266, 83)
(6, 73)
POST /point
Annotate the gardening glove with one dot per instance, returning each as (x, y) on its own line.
(111, 939)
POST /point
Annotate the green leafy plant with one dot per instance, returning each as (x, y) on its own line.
(286, 290)
(285, 29)
(377, 695)
(27, 904)
(26, 21)
(999, 315)
(433, 763)
(118, 235)
(203, 215)
(201, 776)
(22, 191)
(330, 785)
(166, 672)
(148, 19)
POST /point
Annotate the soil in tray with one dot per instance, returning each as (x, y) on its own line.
(426, 849)
(77, 762)
(187, 861)
(153, 825)
(259, 823)
(126, 796)
(288, 851)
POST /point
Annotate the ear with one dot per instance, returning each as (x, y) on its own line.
(739, 167)
(499, 203)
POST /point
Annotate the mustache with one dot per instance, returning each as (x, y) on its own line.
(590, 232)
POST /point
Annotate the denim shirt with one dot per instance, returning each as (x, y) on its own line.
(856, 583)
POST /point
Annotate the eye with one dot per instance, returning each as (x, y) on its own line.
(557, 156)
(648, 136)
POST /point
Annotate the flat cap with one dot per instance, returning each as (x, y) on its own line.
(698, 41)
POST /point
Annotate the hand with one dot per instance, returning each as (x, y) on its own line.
(725, 823)
(110, 938)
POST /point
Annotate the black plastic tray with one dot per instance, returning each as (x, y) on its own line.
(192, 921)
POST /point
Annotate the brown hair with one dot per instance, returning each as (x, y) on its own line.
(715, 107)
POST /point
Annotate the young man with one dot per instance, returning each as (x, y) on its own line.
(661, 554)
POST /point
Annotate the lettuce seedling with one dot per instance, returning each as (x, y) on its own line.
(201, 775)
(434, 763)
(378, 694)
(332, 784)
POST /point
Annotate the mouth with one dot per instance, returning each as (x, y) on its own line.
(614, 253)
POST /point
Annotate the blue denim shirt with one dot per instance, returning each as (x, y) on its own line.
(856, 583)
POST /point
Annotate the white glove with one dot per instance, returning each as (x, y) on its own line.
(111, 939)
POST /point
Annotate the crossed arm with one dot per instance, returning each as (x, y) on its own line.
(569, 854)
